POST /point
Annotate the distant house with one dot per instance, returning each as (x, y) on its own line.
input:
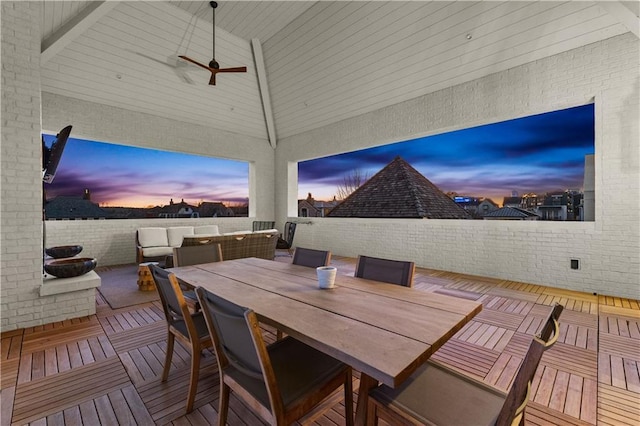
(65, 207)
(309, 207)
(485, 207)
(324, 207)
(399, 191)
(511, 213)
(476, 207)
(564, 205)
(240, 210)
(126, 212)
(512, 202)
(214, 209)
(177, 210)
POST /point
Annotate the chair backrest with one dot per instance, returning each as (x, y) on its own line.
(385, 270)
(194, 255)
(261, 225)
(237, 339)
(311, 258)
(513, 409)
(289, 232)
(173, 303)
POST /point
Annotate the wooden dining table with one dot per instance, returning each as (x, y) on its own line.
(385, 331)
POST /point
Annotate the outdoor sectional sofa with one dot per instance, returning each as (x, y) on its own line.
(239, 245)
(153, 244)
(156, 244)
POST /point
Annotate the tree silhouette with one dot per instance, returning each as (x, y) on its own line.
(350, 182)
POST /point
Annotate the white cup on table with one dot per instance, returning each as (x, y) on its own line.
(326, 276)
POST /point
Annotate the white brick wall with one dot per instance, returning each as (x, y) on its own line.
(533, 252)
(21, 207)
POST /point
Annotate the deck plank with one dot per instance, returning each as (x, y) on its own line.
(572, 359)
(38, 340)
(49, 395)
(540, 415)
(624, 346)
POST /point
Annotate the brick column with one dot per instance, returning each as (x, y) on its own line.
(21, 165)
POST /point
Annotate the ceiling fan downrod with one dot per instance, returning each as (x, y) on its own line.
(214, 63)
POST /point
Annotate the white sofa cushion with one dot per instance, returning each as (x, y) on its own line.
(176, 233)
(206, 230)
(153, 237)
(157, 251)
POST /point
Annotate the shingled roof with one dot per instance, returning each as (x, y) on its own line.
(511, 213)
(399, 191)
(66, 207)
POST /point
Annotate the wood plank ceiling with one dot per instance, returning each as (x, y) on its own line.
(325, 61)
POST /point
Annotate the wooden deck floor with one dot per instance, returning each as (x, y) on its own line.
(105, 369)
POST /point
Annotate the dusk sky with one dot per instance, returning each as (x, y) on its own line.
(540, 153)
(124, 176)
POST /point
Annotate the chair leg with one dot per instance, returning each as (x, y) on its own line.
(223, 407)
(193, 377)
(168, 356)
(372, 414)
(348, 398)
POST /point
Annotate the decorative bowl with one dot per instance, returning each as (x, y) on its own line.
(73, 267)
(61, 252)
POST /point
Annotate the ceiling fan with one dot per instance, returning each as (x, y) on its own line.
(214, 66)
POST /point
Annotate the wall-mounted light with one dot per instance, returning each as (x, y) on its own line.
(469, 37)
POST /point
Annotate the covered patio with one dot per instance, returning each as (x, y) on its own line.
(323, 78)
(340, 77)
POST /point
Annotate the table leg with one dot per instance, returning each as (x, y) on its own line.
(366, 384)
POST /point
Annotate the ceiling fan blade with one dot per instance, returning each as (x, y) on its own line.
(212, 80)
(236, 69)
(195, 62)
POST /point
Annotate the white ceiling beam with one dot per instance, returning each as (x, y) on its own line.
(623, 14)
(74, 28)
(261, 71)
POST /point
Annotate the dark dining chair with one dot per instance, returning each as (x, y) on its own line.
(261, 225)
(190, 329)
(386, 270)
(194, 255)
(437, 395)
(281, 382)
(311, 258)
(285, 241)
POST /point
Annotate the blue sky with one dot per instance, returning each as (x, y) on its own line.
(539, 153)
(124, 176)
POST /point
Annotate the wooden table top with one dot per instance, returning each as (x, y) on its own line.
(383, 330)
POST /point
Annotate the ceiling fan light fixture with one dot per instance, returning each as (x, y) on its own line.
(214, 66)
